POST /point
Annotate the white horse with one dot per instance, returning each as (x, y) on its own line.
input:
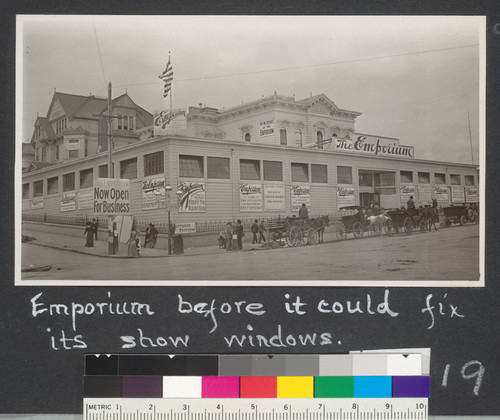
(378, 222)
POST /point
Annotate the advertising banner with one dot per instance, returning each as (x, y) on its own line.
(406, 191)
(274, 197)
(111, 196)
(72, 143)
(457, 195)
(471, 195)
(37, 203)
(169, 122)
(441, 194)
(85, 199)
(153, 194)
(250, 197)
(192, 199)
(68, 202)
(266, 128)
(301, 194)
(26, 204)
(181, 228)
(424, 195)
(345, 197)
(375, 146)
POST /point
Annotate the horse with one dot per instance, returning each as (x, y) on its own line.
(378, 222)
(320, 223)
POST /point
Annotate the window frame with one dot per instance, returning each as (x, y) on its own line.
(50, 184)
(424, 177)
(314, 177)
(437, 176)
(123, 170)
(83, 174)
(257, 169)
(340, 179)
(65, 181)
(213, 168)
(38, 188)
(296, 171)
(154, 163)
(468, 178)
(269, 171)
(404, 174)
(453, 178)
(189, 168)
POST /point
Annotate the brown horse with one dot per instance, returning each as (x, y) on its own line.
(320, 223)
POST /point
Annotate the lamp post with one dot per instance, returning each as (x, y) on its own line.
(168, 190)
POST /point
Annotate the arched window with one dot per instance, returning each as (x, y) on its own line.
(319, 139)
(248, 137)
(298, 138)
(283, 141)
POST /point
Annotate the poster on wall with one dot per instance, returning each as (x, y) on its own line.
(345, 197)
(406, 191)
(181, 228)
(111, 196)
(68, 202)
(85, 199)
(457, 195)
(250, 197)
(192, 199)
(36, 203)
(266, 128)
(274, 197)
(441, 194)
(26, 204)
(169, 121)
(471, 195)
(153, 193)
(424, 195)
(301, 194)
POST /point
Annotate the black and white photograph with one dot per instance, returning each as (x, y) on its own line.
(250, 150)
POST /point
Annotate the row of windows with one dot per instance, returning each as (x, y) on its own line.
(125, 122)
(61, 125)
(284, 138)
(439, 178)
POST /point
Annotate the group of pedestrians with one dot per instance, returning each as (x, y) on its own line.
(232, 237)
(91, 232)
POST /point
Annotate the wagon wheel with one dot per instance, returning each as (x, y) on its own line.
(408, 225)
(341, 232)
(295, 236)
(463, 220)
(424, 226)
(357, 230)
(388, 228)
(312, 236)
(274, 239)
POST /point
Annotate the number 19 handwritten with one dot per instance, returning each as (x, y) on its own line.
(467, 372)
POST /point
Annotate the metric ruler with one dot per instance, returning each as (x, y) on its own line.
(255, 409)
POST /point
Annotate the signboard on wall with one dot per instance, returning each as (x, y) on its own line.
(274, 197)
(345, 197)
(457, 195)
(250, 197)
(441, 194)
(68, 202)
(424, 195)
(85, 199)
(36, 203)
(111, 196)
(266, 128)
(153, 193)
(72, 143)
(471, 195)
(26, 204)
(169, 121)
(301, 194)
(406, 191)
(192, 199)
(375, 146)
(181, 228)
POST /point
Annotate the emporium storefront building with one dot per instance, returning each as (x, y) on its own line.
(259, 160)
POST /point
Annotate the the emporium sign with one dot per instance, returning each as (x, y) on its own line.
(36, 203)
(266, 128)
(345, 197)
(441, 194)
(407, 191)
(374, 146)
(68, 202)
(169, 121)
(250, 197)
(274, 197)
(301, 194)
(471, 195)
(153, 193)
(457, 195)
(111, 196)
(192, 197)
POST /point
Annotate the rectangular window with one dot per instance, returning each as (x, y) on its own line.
(86, 178)
(86, 148)
(365, 178)
(153, 164)
(440, 178)
(273, 171)
(249, 169)
(26, 191)
(37, 188)
(469, 180)
(300, 172)
(283, 140)
(344, 175)
(103, 171)
(218, 168)
(72, 154)
(53, 185)
(57, 152)
(385, 179)
(319, 173)
(424, 178)
(44, 154)
(191, 166)
(128, 169)
(406, 176)
(69, 181)
(455, 179)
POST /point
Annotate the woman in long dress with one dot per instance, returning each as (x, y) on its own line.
(132, 246)
(89, 234)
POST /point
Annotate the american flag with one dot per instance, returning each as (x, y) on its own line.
(167, 76)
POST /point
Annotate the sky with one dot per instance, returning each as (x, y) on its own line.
(416, 78)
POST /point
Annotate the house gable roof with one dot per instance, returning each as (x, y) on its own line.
(46, 129)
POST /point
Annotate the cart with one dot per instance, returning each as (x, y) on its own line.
(458, 214)
(356, 222)
(293, 232)
(406, 222)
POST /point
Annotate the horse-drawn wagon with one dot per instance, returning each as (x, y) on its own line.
(293, 231)
(358, 222)
(458, 214)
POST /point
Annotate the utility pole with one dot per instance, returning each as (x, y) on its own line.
(470, 139)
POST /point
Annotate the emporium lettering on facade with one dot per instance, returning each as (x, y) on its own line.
(163, 118)
(300, 190)
(374, 146)
(153, 184)
(250, 189)
(344, 192)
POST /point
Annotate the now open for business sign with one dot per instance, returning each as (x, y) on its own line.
(111, 196)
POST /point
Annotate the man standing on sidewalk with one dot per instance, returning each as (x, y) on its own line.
(255, 230)
(262, 229)
(95, 227)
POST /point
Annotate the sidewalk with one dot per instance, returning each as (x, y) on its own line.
(100, 249)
